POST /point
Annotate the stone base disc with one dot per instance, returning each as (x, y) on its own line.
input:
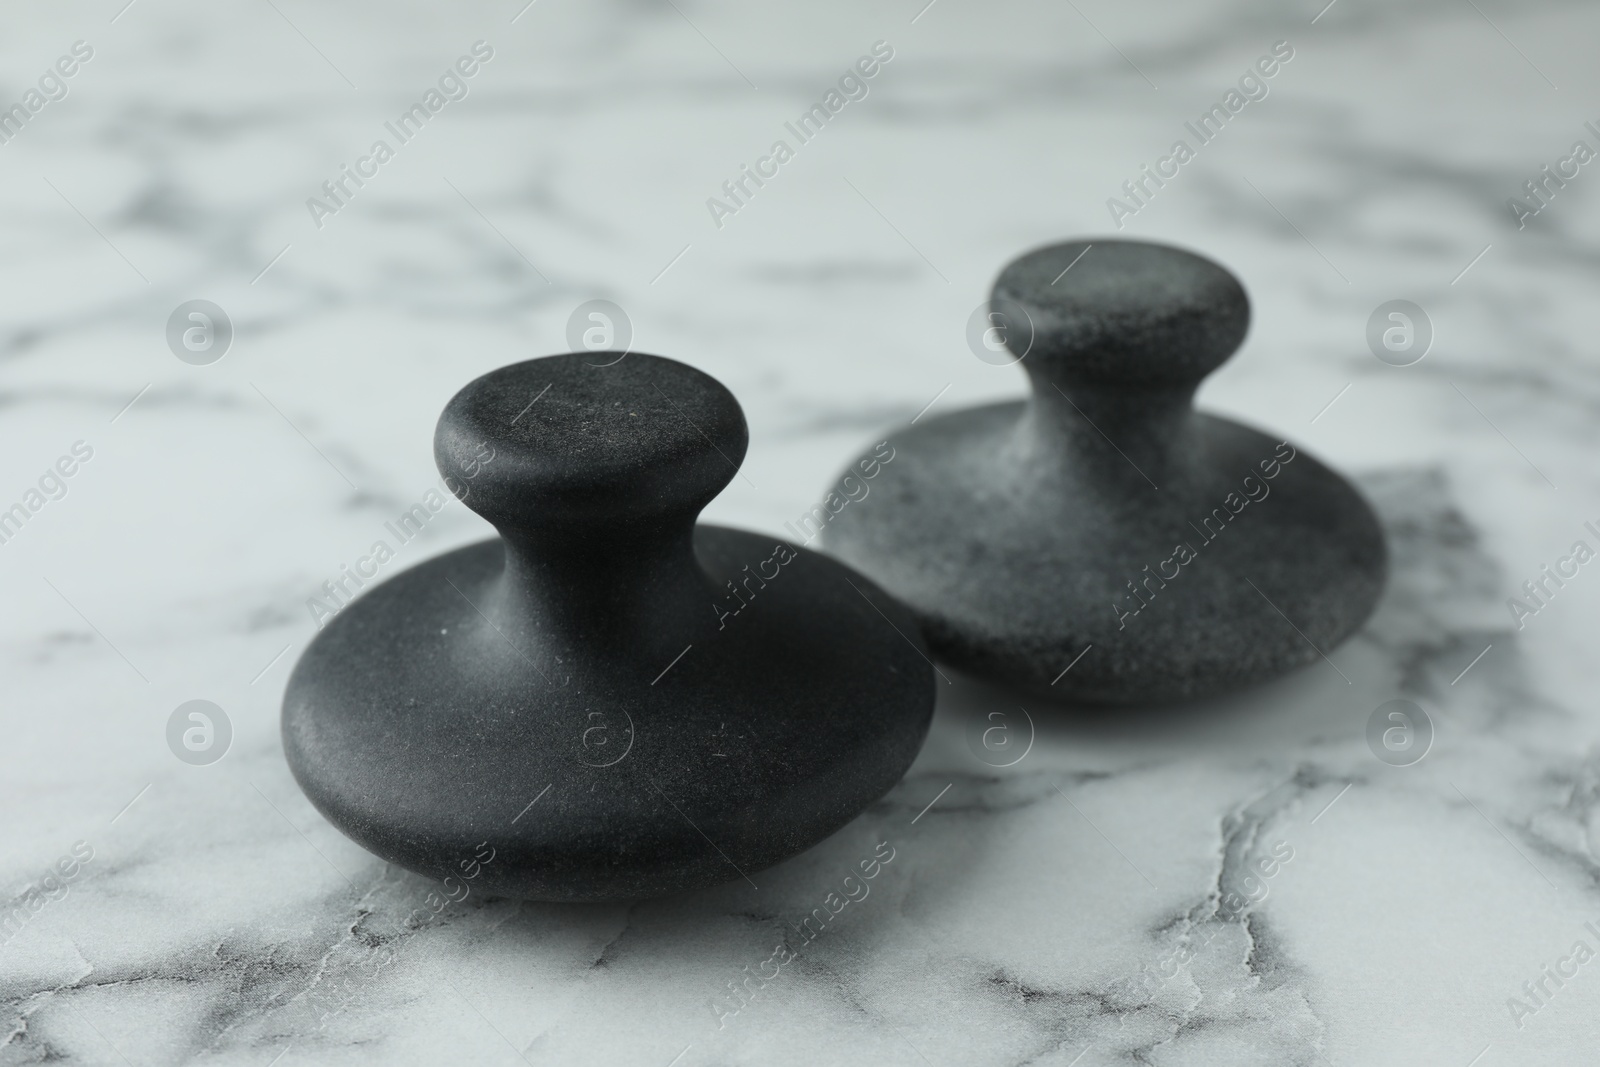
(424, 722)
(1015, 564)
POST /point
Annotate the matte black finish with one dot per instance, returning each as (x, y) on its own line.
(681, 704)
(1194, 555)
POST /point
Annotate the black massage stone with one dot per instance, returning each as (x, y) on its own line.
(1102, 541)
(609, 700)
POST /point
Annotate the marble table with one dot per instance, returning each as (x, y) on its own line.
(1242, 883)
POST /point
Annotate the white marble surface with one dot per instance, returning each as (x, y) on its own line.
(1062, 911)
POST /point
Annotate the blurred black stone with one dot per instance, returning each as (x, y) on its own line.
(1195, 555)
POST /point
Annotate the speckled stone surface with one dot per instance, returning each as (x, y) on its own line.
(1103, 541)
(609, 700)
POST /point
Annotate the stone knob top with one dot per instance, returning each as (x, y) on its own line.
(1129, 314)
(563, 442)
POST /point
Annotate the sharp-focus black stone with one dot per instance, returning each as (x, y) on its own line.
(680, 705)
(1194, 555)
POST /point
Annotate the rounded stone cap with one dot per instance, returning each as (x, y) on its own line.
(560, 440)
(1121, 313)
